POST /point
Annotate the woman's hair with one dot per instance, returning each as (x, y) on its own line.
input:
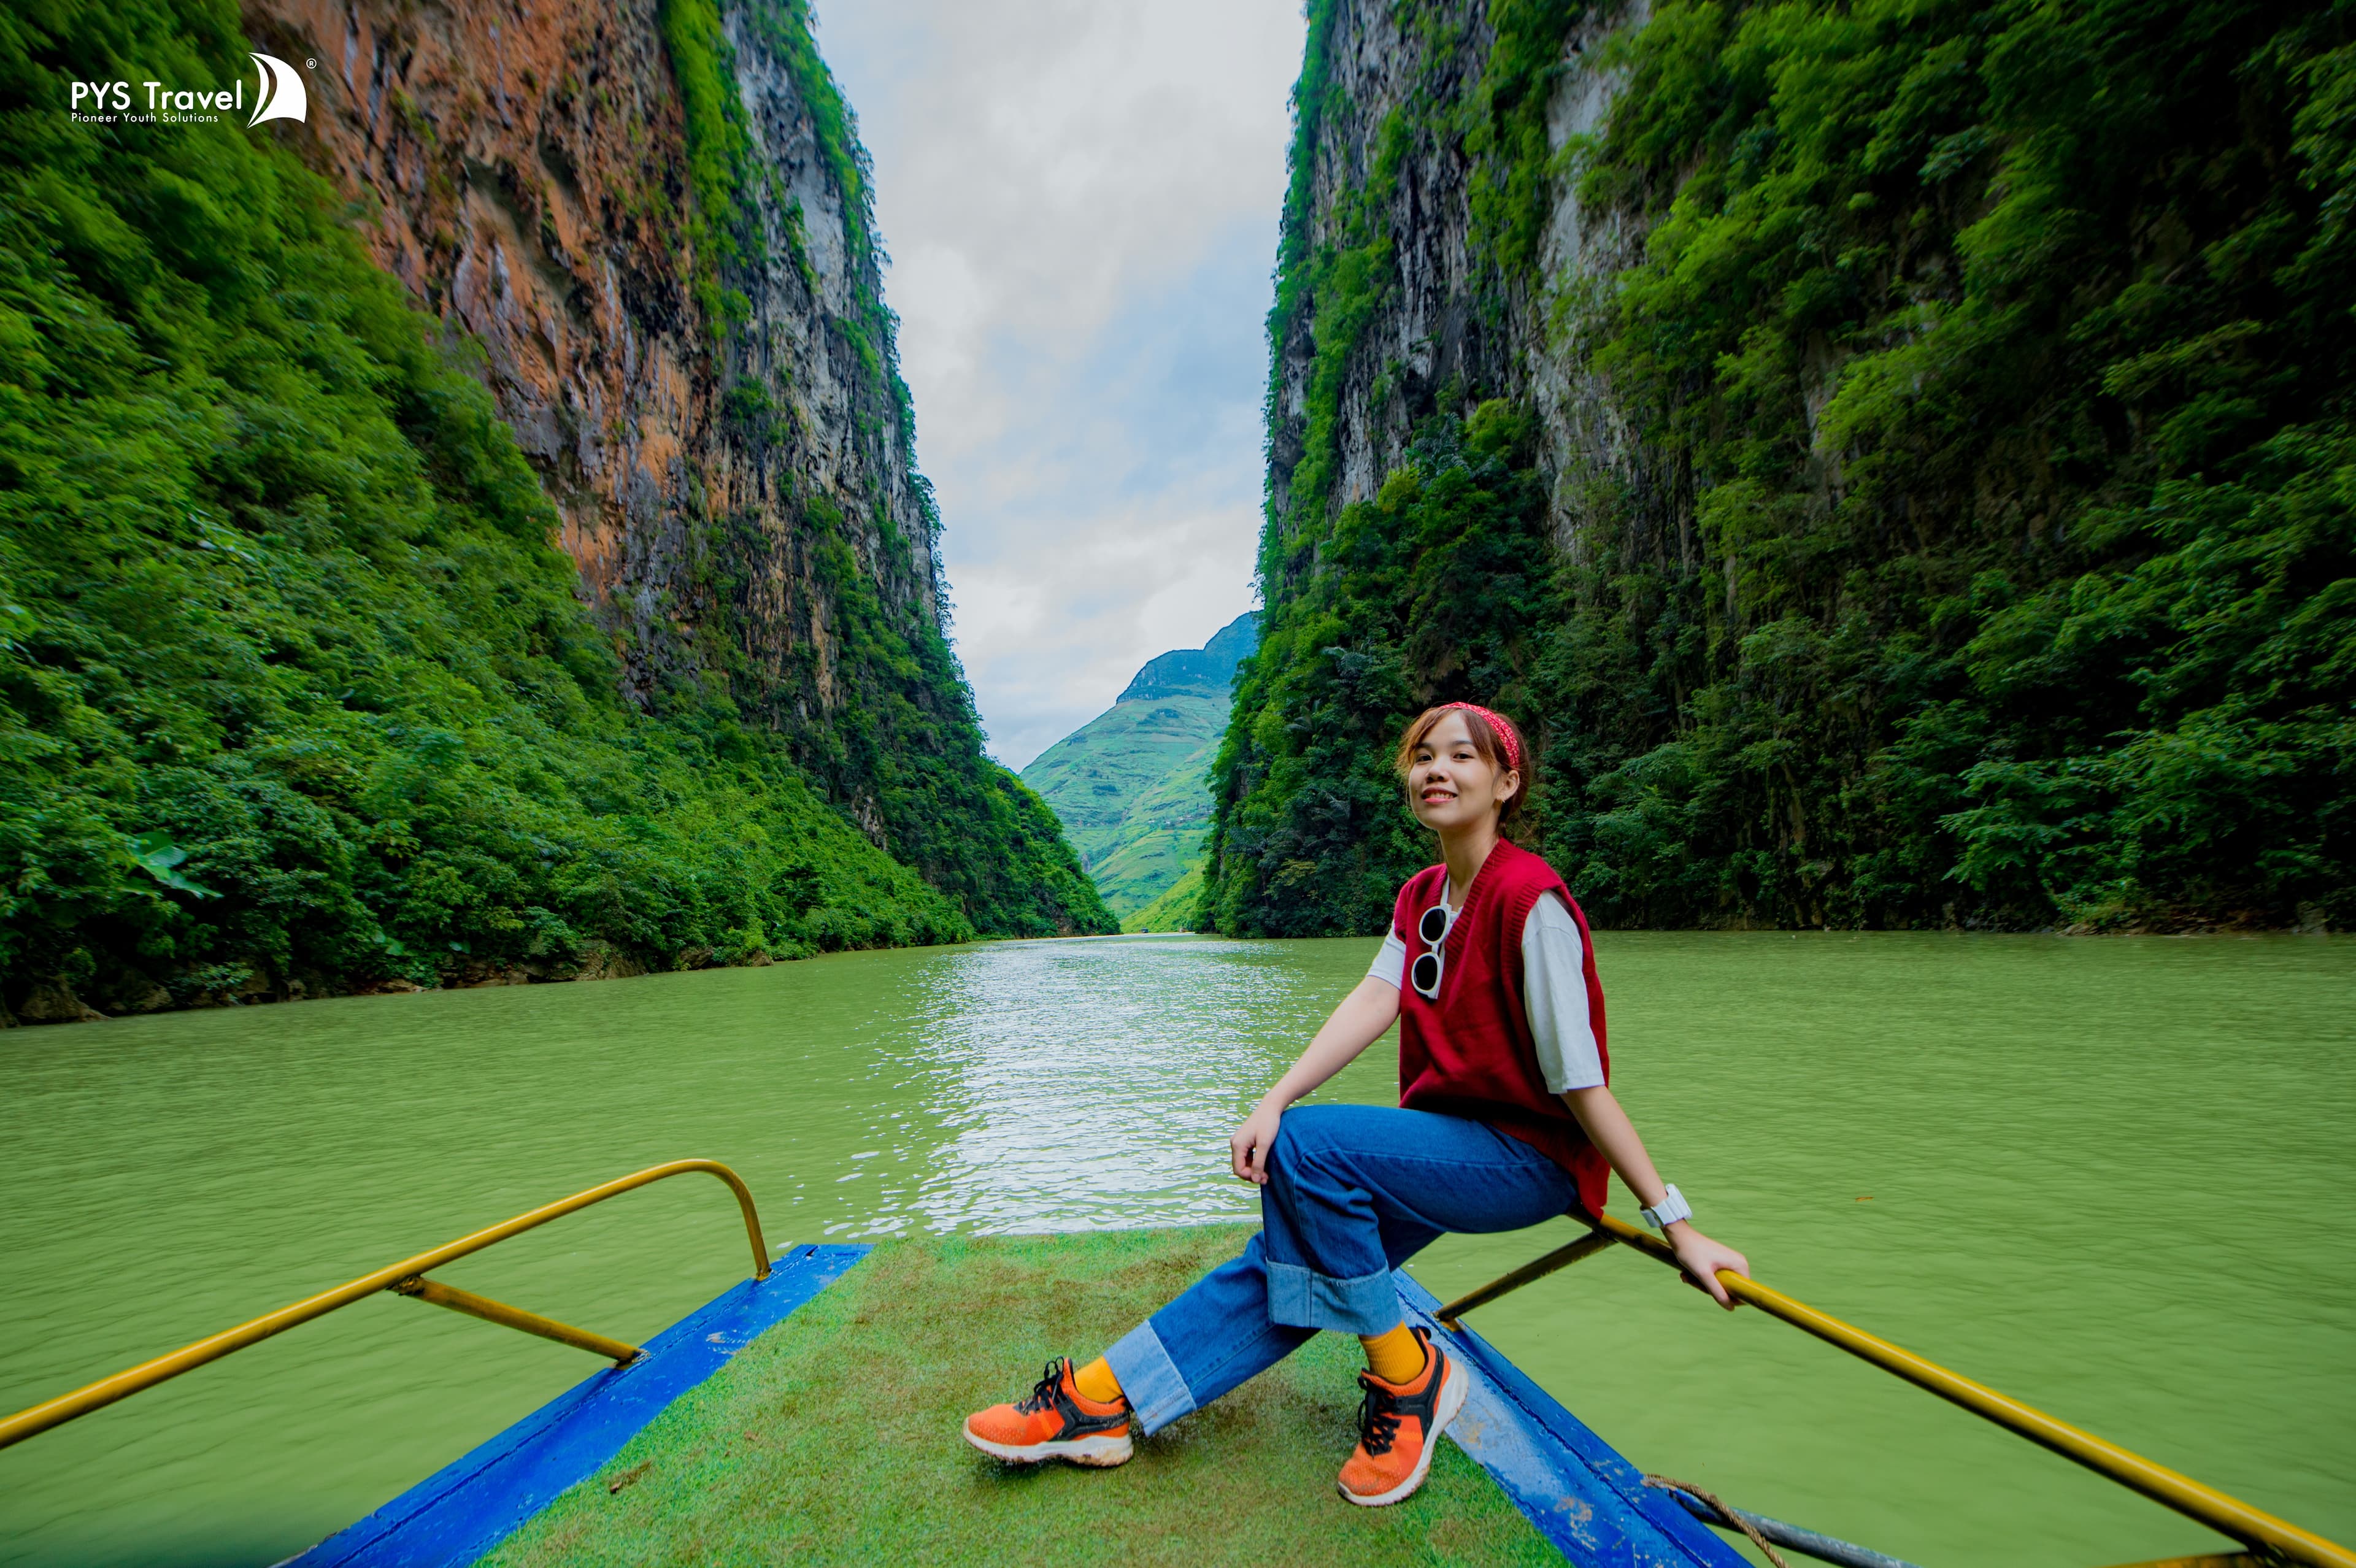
(1495, 736)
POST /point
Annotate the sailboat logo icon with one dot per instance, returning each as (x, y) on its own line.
(282, 97)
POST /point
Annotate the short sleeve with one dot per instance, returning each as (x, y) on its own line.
(1554, 990)
(1390, 964)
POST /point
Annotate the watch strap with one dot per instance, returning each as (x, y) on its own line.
(1668, 1210)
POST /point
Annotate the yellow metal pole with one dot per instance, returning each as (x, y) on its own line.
(2226, 1515)
(147, 1375)
(434, 1293)
(1561, 1257)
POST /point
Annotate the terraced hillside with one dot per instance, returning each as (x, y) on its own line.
(1130, 784)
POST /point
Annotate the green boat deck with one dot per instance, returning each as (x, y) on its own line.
(834, 1438)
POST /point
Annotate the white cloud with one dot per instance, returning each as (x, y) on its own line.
(1081, 201)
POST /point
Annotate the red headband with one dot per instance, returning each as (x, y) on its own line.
(1504, 730)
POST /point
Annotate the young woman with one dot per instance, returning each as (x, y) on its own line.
(1505, 1120)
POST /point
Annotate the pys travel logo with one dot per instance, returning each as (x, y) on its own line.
(279, 94)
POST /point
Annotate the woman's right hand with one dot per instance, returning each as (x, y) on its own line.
(1356, 1024)
(1247, 1150)
(1701, 1258)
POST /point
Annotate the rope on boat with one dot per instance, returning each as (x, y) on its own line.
(1762, 1530)
(1738, 1520)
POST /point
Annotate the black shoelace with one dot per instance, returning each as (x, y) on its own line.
(1042, 1393)
(1378, 1420)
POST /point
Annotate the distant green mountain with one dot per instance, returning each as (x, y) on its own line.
(1130, 786)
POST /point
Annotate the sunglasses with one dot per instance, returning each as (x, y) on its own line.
(1433, 928)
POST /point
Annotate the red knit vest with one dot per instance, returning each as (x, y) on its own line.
(1470, 1053)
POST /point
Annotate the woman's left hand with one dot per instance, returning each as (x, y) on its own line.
(1702, 1258)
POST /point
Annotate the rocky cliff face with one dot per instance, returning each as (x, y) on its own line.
(652, 216)
(1438, 324)
(523, 174)
(525, 171)
(1410, 201)
(1438, 440)
(819, 415)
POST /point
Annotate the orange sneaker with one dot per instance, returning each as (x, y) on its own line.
(1398, 1423)
(1056, 1421)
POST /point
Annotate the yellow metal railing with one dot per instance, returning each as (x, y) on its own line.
(2275, 1539)
(406, 1277)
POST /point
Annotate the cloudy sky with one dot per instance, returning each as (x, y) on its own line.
(1080, 200)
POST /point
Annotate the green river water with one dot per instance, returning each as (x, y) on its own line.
(2110, 1177)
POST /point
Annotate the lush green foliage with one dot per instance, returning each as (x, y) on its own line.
(1985, 553)
(719, 148)
(293, 689)
(909, 732)
(1515, 172)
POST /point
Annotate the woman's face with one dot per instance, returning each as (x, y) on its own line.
(1451, 786)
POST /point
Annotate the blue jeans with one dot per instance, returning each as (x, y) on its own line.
(1353, 1192)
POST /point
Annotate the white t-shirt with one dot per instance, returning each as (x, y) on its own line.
(1554, 992)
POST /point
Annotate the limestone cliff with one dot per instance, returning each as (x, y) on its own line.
(1839, 432)
(653, 218)
(1437, 274)
(1430, 322)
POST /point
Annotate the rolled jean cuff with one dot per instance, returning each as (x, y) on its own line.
(1306, 1299)
(1148, 1379)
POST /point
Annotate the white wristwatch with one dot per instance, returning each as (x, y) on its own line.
(1668, 1210)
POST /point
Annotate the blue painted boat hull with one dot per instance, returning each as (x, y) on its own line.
(1580, 1492)
(461, 1512)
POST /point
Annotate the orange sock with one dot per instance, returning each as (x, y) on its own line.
(1096, 1381)
(1396, 1357)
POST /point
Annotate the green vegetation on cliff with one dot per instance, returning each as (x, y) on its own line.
(293, 691)
(1984, 550)
(1433, 572)
(901, 730)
